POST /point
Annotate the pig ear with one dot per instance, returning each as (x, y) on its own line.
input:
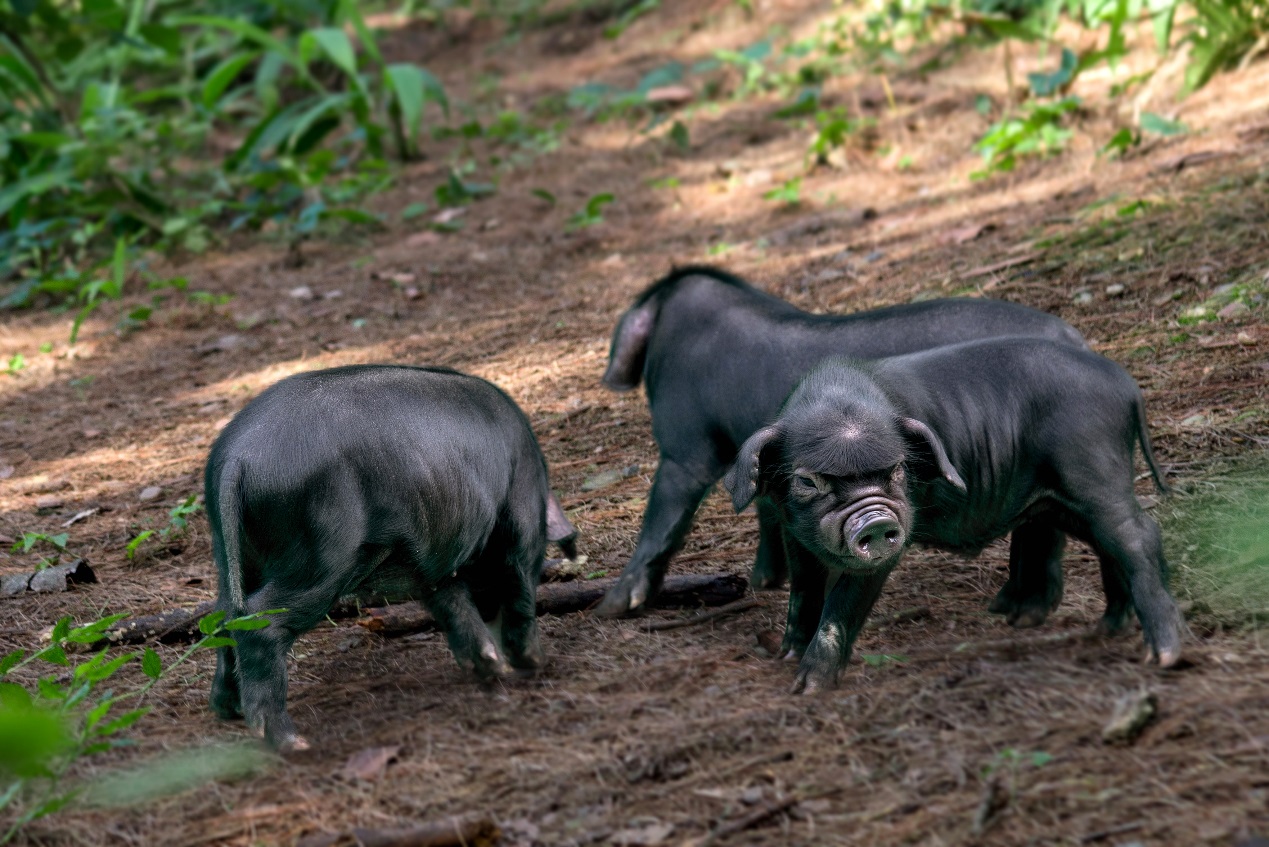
(558, 528)
(915, 429)
(742, 479)
(630, 346)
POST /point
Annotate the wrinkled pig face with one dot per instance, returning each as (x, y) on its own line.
(843, 491)
(836, 467)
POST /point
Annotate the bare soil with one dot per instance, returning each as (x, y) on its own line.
(691, 727)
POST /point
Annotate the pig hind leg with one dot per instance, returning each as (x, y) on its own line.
(1129, 546)
(226, 700)
(1034, 588)
(451, 604)
(771, 567)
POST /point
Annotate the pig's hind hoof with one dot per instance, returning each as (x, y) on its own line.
(623, 600)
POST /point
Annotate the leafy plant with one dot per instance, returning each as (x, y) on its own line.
(790, 193)
(16, 363)
(178, 522)
(73, 713)
(592, 214)
(1037, 132)
(833, 127)
(30, 540)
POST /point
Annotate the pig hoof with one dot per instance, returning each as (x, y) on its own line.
(622, 600)
(792, 656)
(292, 744)
(1027, 617)
(1169, 657)
(763, 578)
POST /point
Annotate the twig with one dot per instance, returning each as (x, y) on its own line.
(767, 810)
(1114, 830)
(703, 617)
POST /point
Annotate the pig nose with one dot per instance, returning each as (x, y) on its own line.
(878, 536)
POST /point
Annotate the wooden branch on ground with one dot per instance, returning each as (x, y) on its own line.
(173, 626)
(478, 832)
(703, 617)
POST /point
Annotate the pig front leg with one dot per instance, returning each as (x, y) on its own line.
(771, 567)
(1034, 588)
(845, 612)
(676, 494)
(808, 581)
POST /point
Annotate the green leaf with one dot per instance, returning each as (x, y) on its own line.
(349, 11)
(407, 87)
(246, 623)
(244, 30)
(95, 631)
(414, 210)
(122, 722)
(1046, 85)
(335, 44)
(10, 661)
(61, 629)
(217, 641)
(59, 540)
(790, 192)
(49, 689)
(130, 550)
(166, 38)
(223, 75)
(98, 712)
(1162, 14)
(54, 655)
(211, 622)
(595, 205)
(678, 134)
(151, 665)
(807, 103)
(543, 194)
(1150, 122)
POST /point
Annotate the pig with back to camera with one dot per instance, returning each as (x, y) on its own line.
(717, 357)
(953, 448)
(352, 480)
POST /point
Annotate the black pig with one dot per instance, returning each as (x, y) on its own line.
(718, 357)
(348, 480)
(953, 448)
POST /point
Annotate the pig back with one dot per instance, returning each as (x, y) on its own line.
(393, 452)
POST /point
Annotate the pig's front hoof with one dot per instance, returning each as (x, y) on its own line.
(625, 598)
(291, 744)
(225, 707)
(1020, 612)
(1169, 657)
(1027, 617)
(812, 681)
(1113, 623)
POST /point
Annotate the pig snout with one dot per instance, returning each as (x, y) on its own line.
(870, 532)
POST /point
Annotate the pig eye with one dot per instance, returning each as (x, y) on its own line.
(807, 484)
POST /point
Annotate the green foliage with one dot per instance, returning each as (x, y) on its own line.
(76, 712)
(15, 363)
(107, 113)
(178, 522)
(592, 214)
(790, 193)
(628, 16)
(833, 127)
(1038, 131)
(30, 540)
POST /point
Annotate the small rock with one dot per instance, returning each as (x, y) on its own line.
(1165, 299)
(758, 176)
(768, 643)
(40, 484)
(607, 478)
(643, 836)
(1195, 420)
(670, 95)
(91, 433)
(48, 501)
(1233, 310)
(1115, 289)
(221, 345)
(412, 293)
(1083, 298)
(333, 295)
(149, 493)
(1131, 715)
(752, 796)
(6, 471)
(370, 763)
(302, 292)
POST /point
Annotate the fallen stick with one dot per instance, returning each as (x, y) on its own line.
(767, 810)
(562, 598)
(173, 626)
(703, 617)
(480, 832)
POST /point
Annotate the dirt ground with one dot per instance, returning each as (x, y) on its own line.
(643, 737)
